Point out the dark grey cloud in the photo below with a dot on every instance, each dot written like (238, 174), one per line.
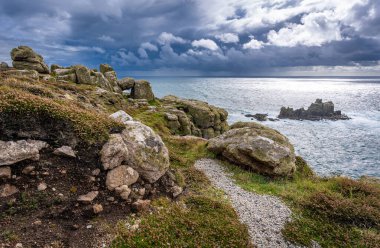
(211, 37)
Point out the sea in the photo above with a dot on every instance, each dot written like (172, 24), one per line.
(344, 147)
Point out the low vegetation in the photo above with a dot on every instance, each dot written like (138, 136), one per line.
(335, 212)
(202, 217)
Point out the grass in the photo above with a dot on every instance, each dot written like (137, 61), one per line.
(335, 212)
(90, 126)
(201, 218)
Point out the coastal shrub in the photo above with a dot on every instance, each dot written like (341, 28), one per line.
(89, 126)
(198, 221)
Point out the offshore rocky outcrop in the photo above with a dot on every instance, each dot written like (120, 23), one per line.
(193, 117)
(316, 111)
(259, 148)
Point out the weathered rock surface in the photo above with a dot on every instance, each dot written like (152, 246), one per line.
(65, 151)
(21, 73)
(148, 155)
(315, 112)
(5, 172)
(192, 117)
(260, 148)
(142, 90)
(105, 68)
(121, 116)
(8, 190)
(114, 152)
(3, 66)
(24, 58)
(89, 197)
(83, 74)
(12, 152)
(126, 83)
(122, 175)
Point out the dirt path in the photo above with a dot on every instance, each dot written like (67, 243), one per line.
(264, 215)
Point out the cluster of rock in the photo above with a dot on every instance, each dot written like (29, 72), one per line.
(28, 63)
(315, 112)
(193, 117)
(135, 163)
(259, 148)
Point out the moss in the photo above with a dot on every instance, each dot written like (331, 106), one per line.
(88, 125)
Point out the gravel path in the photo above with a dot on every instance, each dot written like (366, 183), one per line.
(264, 215)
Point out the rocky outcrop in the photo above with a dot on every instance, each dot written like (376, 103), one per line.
(142, 90)
(12, 152)
(257, 147)
(126, 83)
(193, 117)
(139, 147)
(3, 66)
(24, 58)
(32, 74)
(315, 112)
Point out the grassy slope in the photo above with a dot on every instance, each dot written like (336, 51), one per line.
(335, 212)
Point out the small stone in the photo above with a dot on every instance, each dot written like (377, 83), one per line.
(53, 189)
(95, 172)
(141, 205)
(176, 190)
(37, 223)
(19, 245)
(92, 179)
(121, 175)
(63, 171)
(65, 151)
(89, 197)
(60, 195)
(89, 226)
(111, 199)
(5, 172)
(75, 227)
(8, 190)
(124, 195)
(142, 191)
(42, 186)
(97, 208)
(28, 169)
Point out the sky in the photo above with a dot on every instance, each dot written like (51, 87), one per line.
(200, 37)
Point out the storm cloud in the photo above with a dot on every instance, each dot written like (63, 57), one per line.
(195, 37)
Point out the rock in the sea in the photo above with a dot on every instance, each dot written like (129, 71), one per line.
(114, 152)
(194, 117)
(65, 151)
(24, 58)
(260, 148)
(12, 152)
(121, 175)
(259, 117)
(5, 172)
(142, 90)
(89, 197)
(315, 112)
(121, 116)
(148, 155)
(8, 190)
(126, 83)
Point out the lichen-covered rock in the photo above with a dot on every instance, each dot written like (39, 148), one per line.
(83, 74)
(114, 152)
(112, 79)
(194, 117)
(65, 151)
(3, 66)
(12, 152)
(122, 175)
(100, 80)
(126, 83)
(5, 172)
(121, 116)
(260, 148)
(32, 74)
(103, 68)
(24, 58)
(148, 155)
(142, 90)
